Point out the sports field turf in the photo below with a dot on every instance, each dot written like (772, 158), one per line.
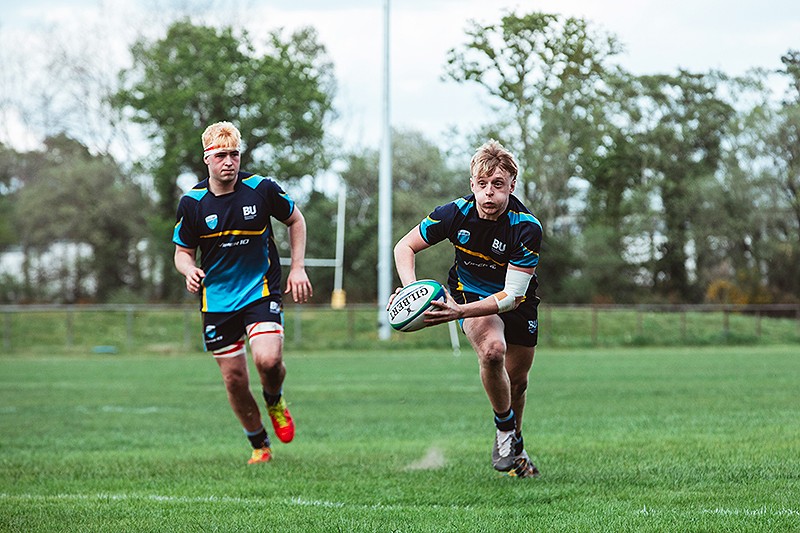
(647, 439)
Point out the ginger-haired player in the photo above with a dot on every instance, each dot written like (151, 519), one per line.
(228, 218)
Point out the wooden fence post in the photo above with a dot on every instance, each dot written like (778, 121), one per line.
(70, 331)
(129, 328)
(7, 331)
(758, 323)
(726, 322)
(187, 325)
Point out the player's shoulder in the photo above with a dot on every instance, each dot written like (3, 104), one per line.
(197, 192)
(459, 206)
(256, 181)
(518, 213)
(465, 203)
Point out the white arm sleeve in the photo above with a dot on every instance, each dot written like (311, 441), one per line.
(516, 285)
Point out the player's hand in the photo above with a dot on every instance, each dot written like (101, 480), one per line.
(298, 284)
(444, 311)
(393, 296)
(194, 277)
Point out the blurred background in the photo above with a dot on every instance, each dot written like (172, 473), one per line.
(660, 147)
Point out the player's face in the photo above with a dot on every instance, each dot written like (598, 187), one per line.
(492, 192)
(223, 166)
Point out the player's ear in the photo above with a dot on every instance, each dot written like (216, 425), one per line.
(513, 183)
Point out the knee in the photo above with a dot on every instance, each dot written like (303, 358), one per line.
(492, 353)
(267, 361)
(236, 380)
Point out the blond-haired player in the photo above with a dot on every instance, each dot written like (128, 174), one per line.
(492, 289)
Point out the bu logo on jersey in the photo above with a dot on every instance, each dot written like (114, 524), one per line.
(211, 221)
(498, 247)
(249, 212)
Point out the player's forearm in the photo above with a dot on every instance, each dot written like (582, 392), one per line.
(184, 261)
(405, 263)
(405, 252)
(485, 307)
(297, 240)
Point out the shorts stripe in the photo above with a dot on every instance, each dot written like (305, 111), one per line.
(264, 328)
(234, 350)
(266, 333)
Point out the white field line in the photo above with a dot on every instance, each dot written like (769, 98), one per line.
(761, 511)
(120, 409)
(295, 500)
(126, 497)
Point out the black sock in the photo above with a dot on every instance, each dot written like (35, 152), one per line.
(258, 439)
(272, 399)
(505, 421)
(519, 445)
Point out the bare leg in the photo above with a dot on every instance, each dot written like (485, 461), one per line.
(268, 358)
(486, 336)
(519, 360)
(237, 384)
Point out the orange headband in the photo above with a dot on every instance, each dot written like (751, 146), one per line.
(214, 148)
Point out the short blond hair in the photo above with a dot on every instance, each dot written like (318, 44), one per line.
(489, 157)
(221, 136)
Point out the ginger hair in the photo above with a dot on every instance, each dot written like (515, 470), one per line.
(221, 135)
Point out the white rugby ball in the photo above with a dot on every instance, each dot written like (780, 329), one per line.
(407, 310)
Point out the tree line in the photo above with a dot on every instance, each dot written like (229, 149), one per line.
(678, 187)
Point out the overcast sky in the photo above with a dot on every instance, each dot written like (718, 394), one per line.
(699, 35)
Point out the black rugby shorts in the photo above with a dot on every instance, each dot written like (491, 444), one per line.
(521, 324)
(223, 329)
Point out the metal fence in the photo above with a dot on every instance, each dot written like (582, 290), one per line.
(176, 328)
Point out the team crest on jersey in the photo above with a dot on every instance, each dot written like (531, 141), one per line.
(211, 330)
(463, 236)
(212, 221)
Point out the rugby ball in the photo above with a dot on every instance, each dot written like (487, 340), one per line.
(407, 310)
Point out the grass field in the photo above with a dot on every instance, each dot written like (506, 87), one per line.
(627, 439)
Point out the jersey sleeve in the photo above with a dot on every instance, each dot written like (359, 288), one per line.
(436, 226)
(526, 253)
(185, 233)
(280, 205)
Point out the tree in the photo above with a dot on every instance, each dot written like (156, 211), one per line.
(422, 180)
(280, 100)
(683, 124)
(782, 148)
(613, 200)
(81, 200)
(549, 75)
(320, 211)
(10, 170)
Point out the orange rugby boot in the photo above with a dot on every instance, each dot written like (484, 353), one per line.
(260, 455)
(281, 420)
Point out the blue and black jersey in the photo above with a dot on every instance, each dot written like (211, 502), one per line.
(234, 235)
(485, 248)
